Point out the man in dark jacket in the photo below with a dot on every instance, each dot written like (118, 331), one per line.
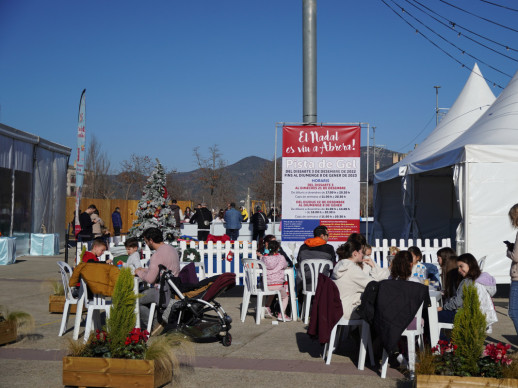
(258, 221)
(86, 222)
(117, 222)
(203, 217)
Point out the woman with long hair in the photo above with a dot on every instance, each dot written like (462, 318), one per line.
(450, 278)
(470, 272)
(351, 279)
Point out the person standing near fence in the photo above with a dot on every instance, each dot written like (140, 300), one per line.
(259, 222)
(203, 217)
(233, 222)
(117, 222)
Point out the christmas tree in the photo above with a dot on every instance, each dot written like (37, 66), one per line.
(153, 209)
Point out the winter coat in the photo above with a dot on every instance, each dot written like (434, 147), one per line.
(396, 306)
(99, 277)
(116, 220)
(200, 217)
(326, 310)
(259, 220)
(485, 279)
(232, 219)
(367, 307)
(275, 266)
(351, 281)
(177, 214)
(97, 228)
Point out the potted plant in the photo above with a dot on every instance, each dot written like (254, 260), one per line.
(13, 323)
(466, 360)
(121, 355)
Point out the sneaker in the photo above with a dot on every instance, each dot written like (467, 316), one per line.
(403, 363)
(268, 312)
(286, 318)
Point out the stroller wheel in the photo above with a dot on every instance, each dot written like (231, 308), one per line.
(227, 340)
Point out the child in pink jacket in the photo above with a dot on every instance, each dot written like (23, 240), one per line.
(275, 266)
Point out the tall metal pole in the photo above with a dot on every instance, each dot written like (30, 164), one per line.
(309, 66)
(437, 105)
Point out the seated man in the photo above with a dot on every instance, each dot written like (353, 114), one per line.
(315, 248)
(98, 248)
(165, 255)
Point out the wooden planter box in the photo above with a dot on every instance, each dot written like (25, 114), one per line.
(57, 304)
(111, 372)
(7, 332)
(435, 381)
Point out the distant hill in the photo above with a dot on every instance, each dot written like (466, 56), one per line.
(245, 170)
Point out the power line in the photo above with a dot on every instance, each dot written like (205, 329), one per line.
(436, 45)
(419, 134)
(499, 5)
(478, 16)
(447, 41)
(452, 25)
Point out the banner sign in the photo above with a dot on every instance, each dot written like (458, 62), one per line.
(79, 162)
(321, 181)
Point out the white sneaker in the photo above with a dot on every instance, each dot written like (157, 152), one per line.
(286, 318)
(402, 361)
(268, 312)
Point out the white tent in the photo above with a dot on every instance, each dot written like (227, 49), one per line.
(33, 192)
(399, 195)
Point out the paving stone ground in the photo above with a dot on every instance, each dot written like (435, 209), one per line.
(264, 355)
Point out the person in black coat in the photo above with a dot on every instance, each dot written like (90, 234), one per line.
(259, 222)
(203, 217)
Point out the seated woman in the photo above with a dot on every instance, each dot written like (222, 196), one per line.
(351, 279)
(401, 269)
(470, 272)
(450, 278)
(431, 270)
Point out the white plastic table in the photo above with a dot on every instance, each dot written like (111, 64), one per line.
(7, 250)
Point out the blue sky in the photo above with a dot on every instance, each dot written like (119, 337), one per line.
(163, 77)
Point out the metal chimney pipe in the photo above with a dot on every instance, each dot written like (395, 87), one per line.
(309, 66)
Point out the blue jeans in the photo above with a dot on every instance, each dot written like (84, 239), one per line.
(513, 304)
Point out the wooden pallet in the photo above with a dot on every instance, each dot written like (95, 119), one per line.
(111, 372)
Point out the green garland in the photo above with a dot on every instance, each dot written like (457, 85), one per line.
(188, 251)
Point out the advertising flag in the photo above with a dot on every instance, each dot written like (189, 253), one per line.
(79, 162)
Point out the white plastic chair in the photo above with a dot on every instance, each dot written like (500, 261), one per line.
(365, 344)
(254, 269)
(66, 273)
(411, 337)
(97, 304)
(314, 267)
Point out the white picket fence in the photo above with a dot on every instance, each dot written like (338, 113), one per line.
(213, 255)
(429, 248)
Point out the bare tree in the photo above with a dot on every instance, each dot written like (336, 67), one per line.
(213, 176)
(97, 183)
(133, 175)
(262, 186)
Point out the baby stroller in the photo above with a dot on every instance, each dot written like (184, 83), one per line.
(194, 311)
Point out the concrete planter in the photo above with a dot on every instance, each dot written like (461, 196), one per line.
(436, 381)
(111, 372)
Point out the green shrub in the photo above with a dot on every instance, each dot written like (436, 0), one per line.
(122, 317)
(469, 331)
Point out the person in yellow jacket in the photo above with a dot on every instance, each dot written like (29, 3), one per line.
(244, 214)
(99, 277)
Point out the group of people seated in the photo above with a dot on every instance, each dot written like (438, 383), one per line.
(354, 269)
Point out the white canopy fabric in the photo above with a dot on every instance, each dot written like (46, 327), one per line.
(464, 189)
(474, 99)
